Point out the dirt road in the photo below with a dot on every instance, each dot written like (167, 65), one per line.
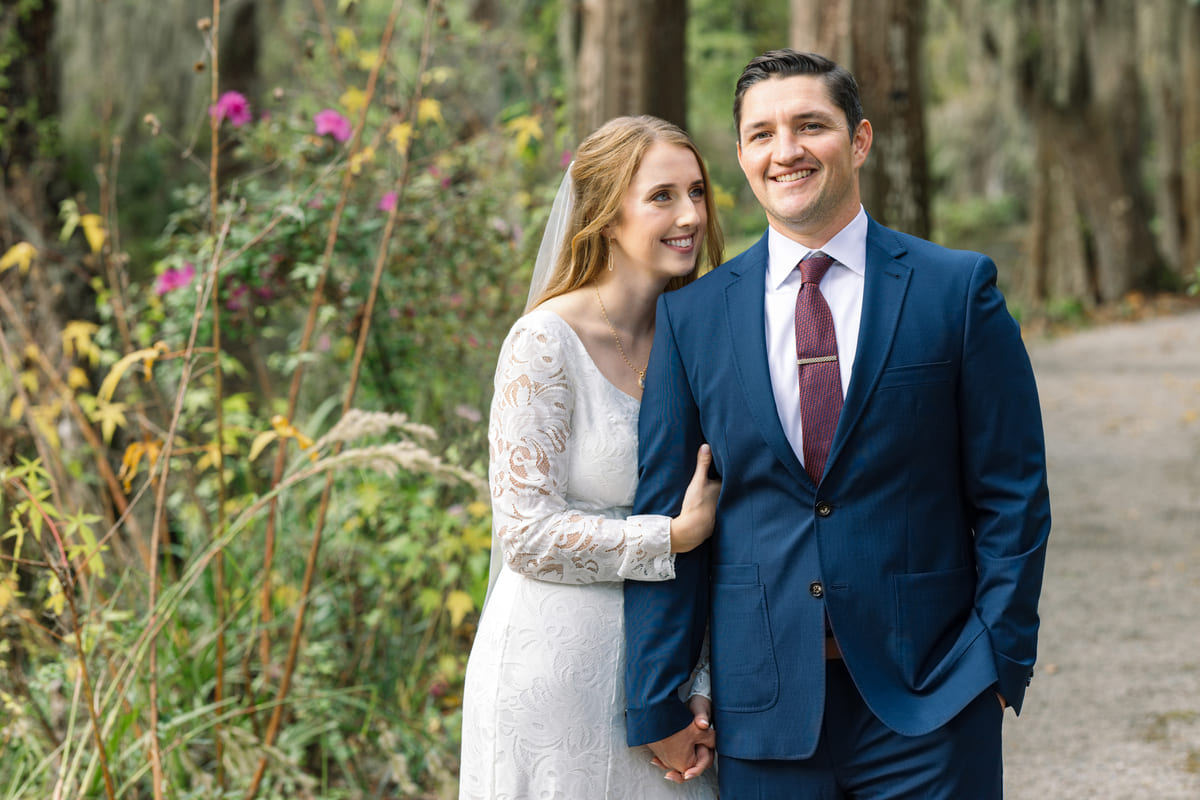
(1114, 710)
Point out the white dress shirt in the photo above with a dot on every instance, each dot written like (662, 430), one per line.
(842, 288)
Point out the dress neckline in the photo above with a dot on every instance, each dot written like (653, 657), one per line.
(591, 361)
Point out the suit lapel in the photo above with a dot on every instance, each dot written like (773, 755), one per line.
(744, 315)
(885, 285)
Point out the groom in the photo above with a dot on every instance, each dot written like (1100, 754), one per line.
(871, 591)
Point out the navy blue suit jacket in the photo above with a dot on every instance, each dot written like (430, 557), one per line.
(924, 542)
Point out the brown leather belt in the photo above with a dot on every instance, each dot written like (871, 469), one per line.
(831, 648)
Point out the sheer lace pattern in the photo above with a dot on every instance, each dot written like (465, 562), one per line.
(544, 701)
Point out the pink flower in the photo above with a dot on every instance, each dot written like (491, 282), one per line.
(234, 303)
(387, 202)
(172, 279)
(332, 123)
(232, 106)
(566, 159)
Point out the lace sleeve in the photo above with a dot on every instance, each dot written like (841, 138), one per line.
(701, 682)
(528, 434)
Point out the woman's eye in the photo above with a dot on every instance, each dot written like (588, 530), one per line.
(661, 197)
(697, 191)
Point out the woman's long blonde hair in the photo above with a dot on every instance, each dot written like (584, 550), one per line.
(604, 168)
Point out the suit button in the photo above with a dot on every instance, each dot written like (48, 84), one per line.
(816, 589)
(824, 509)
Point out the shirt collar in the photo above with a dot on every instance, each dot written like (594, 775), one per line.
(848, 247)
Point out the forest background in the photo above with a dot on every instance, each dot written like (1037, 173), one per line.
(256, 262)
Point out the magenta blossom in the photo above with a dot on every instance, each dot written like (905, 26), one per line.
(566, 159)
(332, 123)
(236, 295)
(232, 106)
(172, 279)
(387, 202)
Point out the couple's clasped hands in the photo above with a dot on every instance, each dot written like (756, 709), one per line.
(686, 754)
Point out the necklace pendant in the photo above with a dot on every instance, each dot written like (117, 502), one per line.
(641, 381)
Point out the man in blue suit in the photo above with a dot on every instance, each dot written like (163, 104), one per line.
(872, 616)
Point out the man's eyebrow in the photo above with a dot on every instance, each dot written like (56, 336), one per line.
(819, 116)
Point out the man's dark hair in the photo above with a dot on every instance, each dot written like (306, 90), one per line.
(842, 87)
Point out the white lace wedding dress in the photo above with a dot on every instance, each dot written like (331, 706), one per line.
(544, 703)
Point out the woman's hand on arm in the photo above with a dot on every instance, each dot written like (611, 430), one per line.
(699, 511)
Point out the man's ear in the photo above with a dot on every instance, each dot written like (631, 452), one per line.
(861, 143)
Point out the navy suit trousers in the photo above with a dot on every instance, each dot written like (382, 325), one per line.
(859, 757)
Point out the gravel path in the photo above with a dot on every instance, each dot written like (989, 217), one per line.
(1114, 709)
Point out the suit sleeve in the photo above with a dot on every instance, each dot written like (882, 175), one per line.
(665, 622)
(1004, 465)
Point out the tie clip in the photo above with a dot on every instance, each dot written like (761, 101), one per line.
(800, 362)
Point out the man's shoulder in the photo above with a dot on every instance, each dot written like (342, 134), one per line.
(899, 244)
(715, 280)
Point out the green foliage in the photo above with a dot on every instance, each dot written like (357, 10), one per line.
(391, 515)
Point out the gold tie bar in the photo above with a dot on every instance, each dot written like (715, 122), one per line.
(800, 362)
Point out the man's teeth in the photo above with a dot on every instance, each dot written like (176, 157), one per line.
(794, 176)
(685, 242)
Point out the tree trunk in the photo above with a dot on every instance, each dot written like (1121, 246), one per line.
(1078, 79)
(1189, 83)
(880, 42)
(632, 60)
(1159, 25)
(29, 95)
(666, 61)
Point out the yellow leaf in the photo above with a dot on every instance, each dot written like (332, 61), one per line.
(17, 409)
(57, 600)
(353, 100)
(478, 509)
(346, 40)
(78, 379)
(459, 603)
(286, 595)
(109, 385)
(367, 59)
(29, 380)
(429, 110)
(46, 420)
(211, 457)
(362, 157)
(20, 255)
(438, 74)
(77, 339)
(110, 416)
(399, 135)
(129, 464)
(525, 128)
(93, 231)
(260, 443)
(8, 591)
(68, 212)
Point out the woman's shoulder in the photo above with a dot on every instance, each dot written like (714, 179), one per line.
(541, 334)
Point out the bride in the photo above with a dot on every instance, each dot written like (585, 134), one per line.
(544, 701)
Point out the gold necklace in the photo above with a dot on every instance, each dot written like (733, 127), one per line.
(641, 373)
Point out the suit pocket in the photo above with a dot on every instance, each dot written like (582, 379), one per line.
(915, 375)
(745, 675)
(933, 610)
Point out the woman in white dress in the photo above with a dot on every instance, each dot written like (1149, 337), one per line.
(544, 702)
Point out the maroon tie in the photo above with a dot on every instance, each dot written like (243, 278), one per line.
(817, 361)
